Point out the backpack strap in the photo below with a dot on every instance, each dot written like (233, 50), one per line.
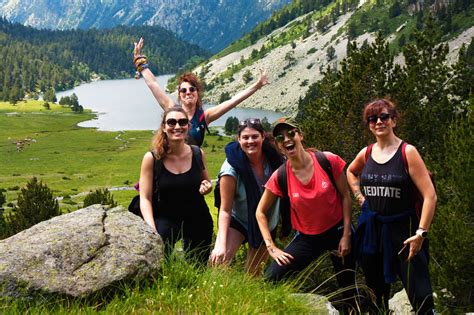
(157, 167)
(282, 179)
(201, 119)
(404, 156)
(368, 150)
(285, 206)
(324, 162)
(197, 155)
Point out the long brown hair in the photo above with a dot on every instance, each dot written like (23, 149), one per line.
(192, 79)
(160, 145)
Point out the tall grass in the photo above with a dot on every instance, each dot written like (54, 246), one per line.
(181, 287)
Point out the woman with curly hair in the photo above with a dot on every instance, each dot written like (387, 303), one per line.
(189, 96)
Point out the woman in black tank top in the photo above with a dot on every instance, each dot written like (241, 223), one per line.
(181, 211)
(391, 239)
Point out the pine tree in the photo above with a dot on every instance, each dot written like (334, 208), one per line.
(100, 196)
(35, 204)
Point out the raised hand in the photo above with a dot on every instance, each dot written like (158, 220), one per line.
(137, 48)
(263, 77)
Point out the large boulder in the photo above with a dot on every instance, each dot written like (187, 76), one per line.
(79, 253)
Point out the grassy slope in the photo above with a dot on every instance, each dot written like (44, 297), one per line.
(91, 159)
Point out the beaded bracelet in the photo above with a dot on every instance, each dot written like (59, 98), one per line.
(141, 64)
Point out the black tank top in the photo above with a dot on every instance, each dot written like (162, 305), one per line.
(387, 186)
(179, 194)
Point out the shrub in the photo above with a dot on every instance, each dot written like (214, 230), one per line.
(224, 97)
(3, 199)
(100, 196)
(36, 203)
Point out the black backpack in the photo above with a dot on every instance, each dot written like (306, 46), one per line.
(134, 206)
(283, 184)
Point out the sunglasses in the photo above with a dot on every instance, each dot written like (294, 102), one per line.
(250, 122)
(181, 122)
(281, 136)
(185, 90)
(372, 119)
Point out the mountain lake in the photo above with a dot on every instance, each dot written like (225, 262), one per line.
(128, 104)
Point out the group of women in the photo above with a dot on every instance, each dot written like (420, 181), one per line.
(390, 239)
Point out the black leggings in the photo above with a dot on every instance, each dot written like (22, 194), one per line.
(414, 275)
(195, 232)
(307, 248)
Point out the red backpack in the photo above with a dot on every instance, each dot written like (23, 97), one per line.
(418, 196)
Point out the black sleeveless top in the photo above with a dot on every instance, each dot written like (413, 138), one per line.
(387, 187)
(179, 194)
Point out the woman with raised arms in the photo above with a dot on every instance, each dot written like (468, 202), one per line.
(189, 96)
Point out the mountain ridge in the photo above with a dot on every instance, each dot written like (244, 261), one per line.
(210, 24)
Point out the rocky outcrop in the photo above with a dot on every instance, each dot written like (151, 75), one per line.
(399, 304)
(79, 253)
(318, 304)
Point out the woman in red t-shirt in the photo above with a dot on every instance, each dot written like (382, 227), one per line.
(320, 212)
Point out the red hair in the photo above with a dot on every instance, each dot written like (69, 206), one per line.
(377, 106)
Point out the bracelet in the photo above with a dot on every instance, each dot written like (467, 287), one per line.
(138, 57)
(140, 62)
(140, 68)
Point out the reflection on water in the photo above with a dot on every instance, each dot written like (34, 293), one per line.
(129, 105)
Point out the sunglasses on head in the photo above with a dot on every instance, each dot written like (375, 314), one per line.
(250, 122)
(181, 122)
(281, 136)
(372, 119)
(185, 90)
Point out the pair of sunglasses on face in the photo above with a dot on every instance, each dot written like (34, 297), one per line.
(281, 136)
(384, 117)
(185, 90)
(182, 122)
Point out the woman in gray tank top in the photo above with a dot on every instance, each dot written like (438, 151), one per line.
(391, 239)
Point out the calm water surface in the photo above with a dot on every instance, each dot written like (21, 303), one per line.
(129, 105)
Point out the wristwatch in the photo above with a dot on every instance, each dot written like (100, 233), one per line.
(422, 233)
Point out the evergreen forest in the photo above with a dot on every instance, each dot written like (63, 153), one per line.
(34, 61)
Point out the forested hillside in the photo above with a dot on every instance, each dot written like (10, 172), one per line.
(302, 39)
(34, 60)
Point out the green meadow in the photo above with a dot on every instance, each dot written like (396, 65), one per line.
(72, 160)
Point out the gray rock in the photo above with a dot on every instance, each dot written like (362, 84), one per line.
(79, 253)
(319, 304)
(399, 304)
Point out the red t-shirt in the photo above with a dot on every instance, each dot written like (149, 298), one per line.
(315, 207)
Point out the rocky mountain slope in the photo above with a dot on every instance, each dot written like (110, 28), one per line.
(293, 66)
(212, 24)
